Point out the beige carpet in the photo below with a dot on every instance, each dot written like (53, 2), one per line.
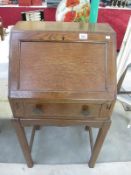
(116, 168)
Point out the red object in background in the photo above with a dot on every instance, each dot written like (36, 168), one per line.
(24, 2)
(72, 3)
(11, 15)
(118, 19)
(1, 22)
(36, 2)
(70, 16)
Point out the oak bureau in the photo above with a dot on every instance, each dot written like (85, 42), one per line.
(62, 74)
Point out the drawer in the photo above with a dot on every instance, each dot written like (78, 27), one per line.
(59, 110)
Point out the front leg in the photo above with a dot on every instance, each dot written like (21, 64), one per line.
(99, 142)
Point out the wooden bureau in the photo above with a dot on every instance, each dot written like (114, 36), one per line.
(62, 74)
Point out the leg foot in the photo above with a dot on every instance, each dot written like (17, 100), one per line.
(98, 144)
(23, 142)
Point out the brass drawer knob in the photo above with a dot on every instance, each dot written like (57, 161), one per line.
(38, 109)
(85, 110)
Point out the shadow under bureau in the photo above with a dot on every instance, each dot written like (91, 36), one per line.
(62, 74)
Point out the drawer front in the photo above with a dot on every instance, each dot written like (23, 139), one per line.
(60, 110)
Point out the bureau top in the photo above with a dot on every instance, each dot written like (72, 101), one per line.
(62, 61)
(62, 26)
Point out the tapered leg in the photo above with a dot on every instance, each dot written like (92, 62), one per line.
(89, 129)
(36, 127)
(91, 138)
(98, 144)
(23, 142)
